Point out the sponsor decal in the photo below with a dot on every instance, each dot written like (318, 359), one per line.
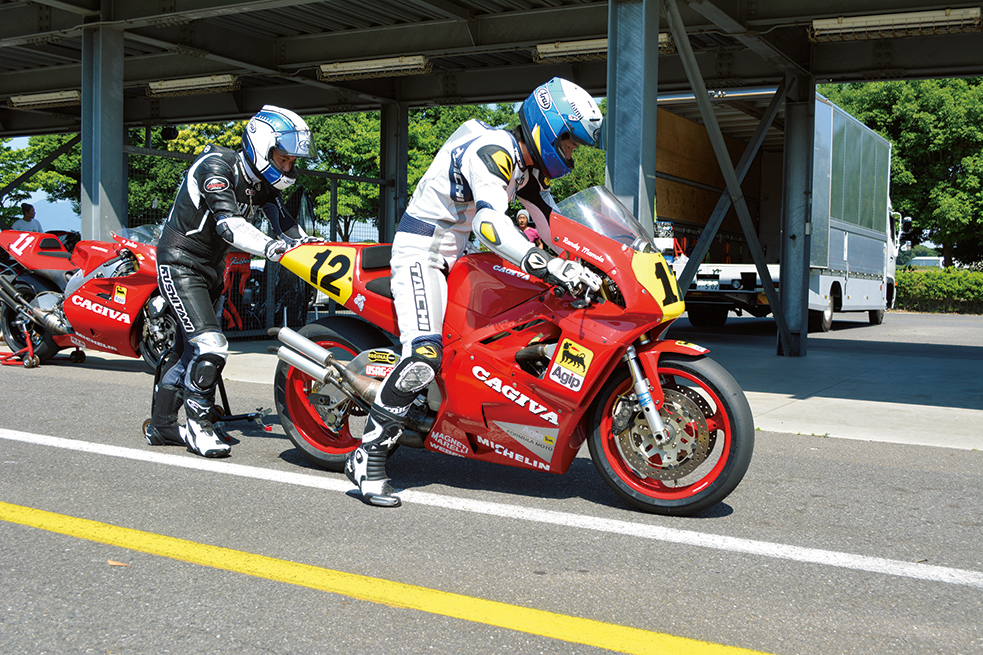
(570, 365)
(544, 99)
(510, 271)
(687, 344)
(427, 352)
(510, 454)
(420, 298)
(575, 113)
(119, 295)
(448, 445)
(215, 184)
(584, 251)
(382, 357)
(85, 342)
(539, 440)
(378, 370)
(513, 394)
(360, 302)
(102, 310)
(167, 286)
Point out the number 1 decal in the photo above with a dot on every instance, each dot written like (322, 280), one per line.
(662, 272)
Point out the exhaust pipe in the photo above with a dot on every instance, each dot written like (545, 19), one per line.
(299, 352)
(47, 320)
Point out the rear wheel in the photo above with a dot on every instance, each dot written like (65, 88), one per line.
(822, 321)
(324, 427)
(709, 444)
(12, 324)
(876, 316)
(707, 316)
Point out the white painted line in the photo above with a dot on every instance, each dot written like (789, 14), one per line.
(656, 533)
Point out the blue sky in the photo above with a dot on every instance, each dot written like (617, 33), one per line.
(52, 215)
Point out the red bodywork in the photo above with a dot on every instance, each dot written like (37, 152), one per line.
(493, 409)
(105, 311)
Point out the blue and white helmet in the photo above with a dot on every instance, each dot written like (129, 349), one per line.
(553, 110)
(279, 129)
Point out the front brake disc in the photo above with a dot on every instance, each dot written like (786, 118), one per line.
(678, 455)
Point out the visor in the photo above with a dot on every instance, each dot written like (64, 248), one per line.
(295, 144)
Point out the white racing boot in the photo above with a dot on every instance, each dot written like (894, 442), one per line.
(366, 466)
(199, 433)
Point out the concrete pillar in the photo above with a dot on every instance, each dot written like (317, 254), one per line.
(800, 109)
(104, 191)
(393, 164)
(632, 92)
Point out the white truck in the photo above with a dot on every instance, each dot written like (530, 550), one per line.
(855, 235)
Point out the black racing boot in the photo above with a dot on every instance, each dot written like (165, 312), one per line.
(366, 466)
(199, 433)
(163, 429)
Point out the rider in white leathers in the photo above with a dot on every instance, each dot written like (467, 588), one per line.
(467, 189)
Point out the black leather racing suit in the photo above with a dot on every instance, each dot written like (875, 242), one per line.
(215, 207)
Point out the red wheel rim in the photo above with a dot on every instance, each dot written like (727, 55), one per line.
(717, 423)
(304, 416)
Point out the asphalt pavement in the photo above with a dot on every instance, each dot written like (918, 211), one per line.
(829, 546)
(915, 379)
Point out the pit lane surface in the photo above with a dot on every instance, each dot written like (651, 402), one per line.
(874, 516)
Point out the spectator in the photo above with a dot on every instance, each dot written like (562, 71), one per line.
(531, 233)
(28, 223)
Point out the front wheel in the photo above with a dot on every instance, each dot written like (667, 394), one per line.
(323, 425)
(157, 337)
(705, 454)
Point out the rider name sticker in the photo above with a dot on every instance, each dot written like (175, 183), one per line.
(570, 365)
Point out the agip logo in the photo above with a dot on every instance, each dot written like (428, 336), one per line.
(570, 365)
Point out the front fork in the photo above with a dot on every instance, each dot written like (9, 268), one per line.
(649, 410)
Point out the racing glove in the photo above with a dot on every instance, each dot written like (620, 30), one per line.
(559, 272)
(275, 249)
(572, 275)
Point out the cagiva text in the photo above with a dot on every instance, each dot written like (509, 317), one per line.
(96, 308)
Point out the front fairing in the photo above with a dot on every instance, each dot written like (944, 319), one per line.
(594, 227)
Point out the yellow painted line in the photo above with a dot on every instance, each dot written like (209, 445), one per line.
(375, 590)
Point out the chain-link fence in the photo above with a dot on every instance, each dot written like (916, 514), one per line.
(258, 294)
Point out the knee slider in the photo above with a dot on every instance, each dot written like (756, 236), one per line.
(413, 374)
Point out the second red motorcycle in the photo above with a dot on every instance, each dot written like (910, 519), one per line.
(94, 295)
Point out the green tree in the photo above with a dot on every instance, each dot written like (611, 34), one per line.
(936, 128)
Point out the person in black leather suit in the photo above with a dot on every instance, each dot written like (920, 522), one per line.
(222, 194)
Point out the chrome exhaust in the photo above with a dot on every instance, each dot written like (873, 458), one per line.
(305, 355)
(46, 320)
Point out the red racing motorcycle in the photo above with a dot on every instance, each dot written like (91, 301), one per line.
(529, 373)
(96, 294)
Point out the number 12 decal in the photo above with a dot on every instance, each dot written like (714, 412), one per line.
(342, 265)
(327, 268)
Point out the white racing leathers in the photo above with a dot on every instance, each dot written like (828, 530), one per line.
(467, 188)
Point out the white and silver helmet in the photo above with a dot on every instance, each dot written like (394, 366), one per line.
(277, 129)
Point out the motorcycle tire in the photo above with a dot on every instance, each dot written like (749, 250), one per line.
(711, 430)
(345, 337)
(43, 341)
(151, 349)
